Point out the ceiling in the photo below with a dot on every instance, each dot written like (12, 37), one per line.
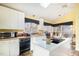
(53, 11)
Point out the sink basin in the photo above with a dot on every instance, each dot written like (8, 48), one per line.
(56, 41)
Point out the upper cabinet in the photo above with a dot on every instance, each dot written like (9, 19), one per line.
(11, 19)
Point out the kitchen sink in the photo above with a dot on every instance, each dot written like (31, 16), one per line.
(57, 41)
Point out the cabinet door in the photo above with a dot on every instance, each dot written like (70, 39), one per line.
(14, 47)
(4, 48)
(39, 51)
(11, 19)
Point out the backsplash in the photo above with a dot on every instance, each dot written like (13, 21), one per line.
(7, 34)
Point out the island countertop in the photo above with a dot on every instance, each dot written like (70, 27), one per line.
(51, 46)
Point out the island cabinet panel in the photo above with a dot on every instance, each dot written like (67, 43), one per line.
(63, 50)
(39, 51)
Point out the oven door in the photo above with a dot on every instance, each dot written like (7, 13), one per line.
(24, 45)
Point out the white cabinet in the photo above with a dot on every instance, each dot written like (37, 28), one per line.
(4, 48)
(14, 47)
(11, 19)
(39, 51)
(9, 47)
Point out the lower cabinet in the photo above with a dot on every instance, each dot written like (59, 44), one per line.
(4, 48)
(39, 51)
(9, 47)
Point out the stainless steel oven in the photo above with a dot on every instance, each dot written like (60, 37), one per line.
(24, 45)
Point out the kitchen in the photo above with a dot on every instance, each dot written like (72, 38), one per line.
(34, 35)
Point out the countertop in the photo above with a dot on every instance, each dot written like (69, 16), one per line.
(8, 39)
(51, 46)
(24, 37)
(13, 38)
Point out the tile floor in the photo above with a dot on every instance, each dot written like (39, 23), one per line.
(67, 53)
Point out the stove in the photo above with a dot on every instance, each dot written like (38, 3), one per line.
(24, 45)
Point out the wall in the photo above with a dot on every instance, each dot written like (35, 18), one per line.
(76, 26)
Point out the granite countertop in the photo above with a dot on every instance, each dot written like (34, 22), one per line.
(24, 37)
(7, 39)
(51, 46)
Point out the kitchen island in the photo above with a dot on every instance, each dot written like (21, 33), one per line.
(40, 48)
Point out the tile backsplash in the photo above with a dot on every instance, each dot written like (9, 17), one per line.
(7, 34)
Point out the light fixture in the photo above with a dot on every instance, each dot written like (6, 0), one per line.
(59, 15)
(64, 6)
(45, 5)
